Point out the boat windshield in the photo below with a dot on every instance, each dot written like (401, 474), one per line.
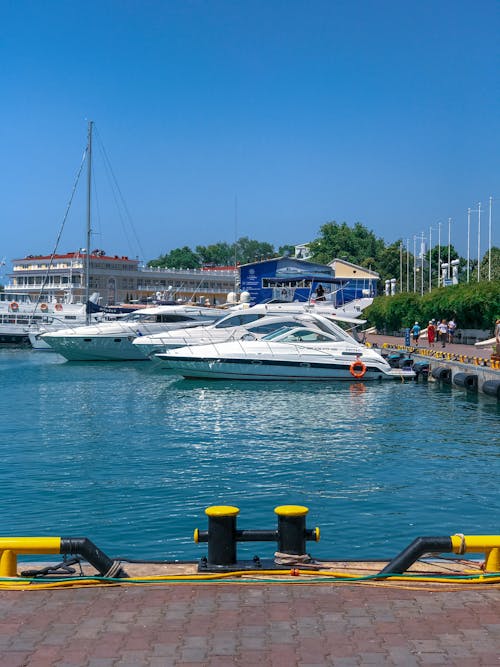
(309, 336)
(278, 332)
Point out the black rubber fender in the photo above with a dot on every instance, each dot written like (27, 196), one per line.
(467, 380)
(492, 388)
(442, 373)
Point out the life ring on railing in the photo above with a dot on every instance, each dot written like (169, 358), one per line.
(14, 306)
(44, 308)
(58, 306)
(357, 369)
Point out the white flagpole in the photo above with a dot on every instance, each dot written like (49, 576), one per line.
(430, 259)
(468, 244)
(478, 241)
(489, 239)
(439, 254)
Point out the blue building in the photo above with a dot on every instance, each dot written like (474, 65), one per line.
(290, 279)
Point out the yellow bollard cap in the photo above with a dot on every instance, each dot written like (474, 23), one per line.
(222, 510)
(291, 510)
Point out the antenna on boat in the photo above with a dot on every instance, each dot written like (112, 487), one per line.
(89, 215)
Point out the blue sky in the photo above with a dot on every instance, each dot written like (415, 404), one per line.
(263, 118)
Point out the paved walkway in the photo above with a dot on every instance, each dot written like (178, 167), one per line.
(453, 348)
(268, 625)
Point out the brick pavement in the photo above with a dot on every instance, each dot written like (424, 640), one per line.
(195, 625)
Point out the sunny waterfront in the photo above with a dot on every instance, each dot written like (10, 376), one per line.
(130, 456)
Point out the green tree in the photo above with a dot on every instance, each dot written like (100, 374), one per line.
(248, 250)
(484, 269)
(357, 244)
(284, 249)
(179, 258)
(218, 254)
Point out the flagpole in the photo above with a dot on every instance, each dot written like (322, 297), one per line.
(468, 244)
(478, 241)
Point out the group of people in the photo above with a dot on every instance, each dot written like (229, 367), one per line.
(440, 332)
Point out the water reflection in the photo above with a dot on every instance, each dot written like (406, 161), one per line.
(131, 457)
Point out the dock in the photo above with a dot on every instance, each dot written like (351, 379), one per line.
(269, 624)
(460, 360)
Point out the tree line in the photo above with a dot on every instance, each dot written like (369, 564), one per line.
(356, 244)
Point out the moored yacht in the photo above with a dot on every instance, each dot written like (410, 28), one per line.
(20, 314)
(112, 341)
(318, 351)
(256, 321)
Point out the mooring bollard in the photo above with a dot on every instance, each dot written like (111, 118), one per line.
(292, 532)
(222, 535)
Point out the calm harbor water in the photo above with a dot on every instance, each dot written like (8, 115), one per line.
(130, 456)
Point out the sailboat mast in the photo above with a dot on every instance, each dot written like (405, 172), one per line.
(89, 214)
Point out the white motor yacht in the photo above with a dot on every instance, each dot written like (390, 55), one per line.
(21, 315)
(318, 351)
(112, 341)
(256, 321)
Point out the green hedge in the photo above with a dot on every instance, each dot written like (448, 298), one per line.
(474, 306)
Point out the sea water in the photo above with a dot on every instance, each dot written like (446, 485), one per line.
(130, 456)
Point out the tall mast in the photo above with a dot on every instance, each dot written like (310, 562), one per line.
(89, 213)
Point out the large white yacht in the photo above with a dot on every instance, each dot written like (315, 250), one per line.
(112, 341)
(256, 321)
(318, 351)
(21, 314)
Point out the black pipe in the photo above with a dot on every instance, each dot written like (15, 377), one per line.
(257, 535)
(414, 551)
(97, 558)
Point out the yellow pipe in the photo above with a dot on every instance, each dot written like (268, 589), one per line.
(474, 543)
(8, 563)
(31, 545)
(487, 544)
(11, 547)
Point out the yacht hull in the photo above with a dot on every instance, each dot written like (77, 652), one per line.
(269, 370)
(99, 348)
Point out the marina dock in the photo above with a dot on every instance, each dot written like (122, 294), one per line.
(455, 357)
(266, 624)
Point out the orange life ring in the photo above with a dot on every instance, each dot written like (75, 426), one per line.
(357, 368)
(44, 308)
(58, 306)
(14, 306)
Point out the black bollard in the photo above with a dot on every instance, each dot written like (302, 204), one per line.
(292, 533)
(222, 534)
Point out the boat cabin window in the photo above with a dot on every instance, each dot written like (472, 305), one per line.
(306, 335)
(238, 320)
(157, 317)
(271, 326)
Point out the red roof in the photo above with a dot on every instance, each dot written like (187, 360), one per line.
(73, 255)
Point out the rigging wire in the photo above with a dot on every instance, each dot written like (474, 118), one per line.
(56, 246)
(121, 204)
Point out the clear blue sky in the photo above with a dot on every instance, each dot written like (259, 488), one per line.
(302, 111)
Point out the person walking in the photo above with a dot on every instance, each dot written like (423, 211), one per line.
(431, 333)
(497, 336)
(442, 328)
(451, 330)
(415, 332)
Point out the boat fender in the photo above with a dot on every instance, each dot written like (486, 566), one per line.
(442, 373)
(492, 388)
(58, 306)
(467, 380)
(44, 308)
(14, 306)
(357, 368)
